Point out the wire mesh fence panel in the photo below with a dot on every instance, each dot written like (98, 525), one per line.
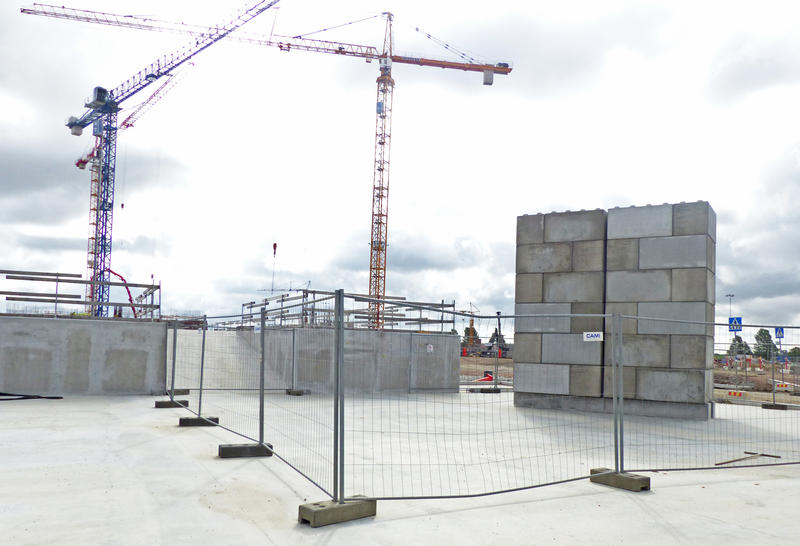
(188, 350)
(414, 429)
(232, 376)
(299, 401)
(700, 396)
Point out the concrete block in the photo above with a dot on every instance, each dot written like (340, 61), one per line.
(570, 349)
(693, 352)
(711, 254)
(648, 408)
(435, 362)
(622, 254)
(694, 219)
(671, 385)
(575, 226)
(674, 252)
(679, 311)
(541, 378)
(236, 451)
(648, 351)
(529, 288)
(527, 348)
(587, 255)
(587, 324)
(584, 380)
(632, 222)
(629, 326)
(628, 381)
(179, 392)
(161, 404)
(198, 421)
(317, 514)
(544, 258)
(695, 284)
(530, 229)
(542, 324)
(620, 480)
(636, 286)
(573, 287)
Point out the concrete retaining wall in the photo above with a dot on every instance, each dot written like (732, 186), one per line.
(303, 359)
(80, 356)
(653, 261)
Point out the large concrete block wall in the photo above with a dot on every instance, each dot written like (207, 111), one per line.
(80, 356)
(652, 261)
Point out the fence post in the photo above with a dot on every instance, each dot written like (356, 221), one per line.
(202, 367)
(174, 354)
(261, 380)
(338, 390)
(619, 393)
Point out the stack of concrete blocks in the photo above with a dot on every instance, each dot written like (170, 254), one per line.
(653, 261)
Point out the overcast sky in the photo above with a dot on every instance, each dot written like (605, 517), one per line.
(610, 103)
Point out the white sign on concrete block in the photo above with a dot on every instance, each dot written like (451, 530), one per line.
(593, 336)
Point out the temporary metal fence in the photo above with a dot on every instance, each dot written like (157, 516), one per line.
(399, 415)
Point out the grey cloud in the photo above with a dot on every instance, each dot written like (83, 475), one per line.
(51, 243)
(746, 65)
(550, 58)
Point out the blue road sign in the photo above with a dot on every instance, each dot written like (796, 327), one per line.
(735, 324)
(778, 333)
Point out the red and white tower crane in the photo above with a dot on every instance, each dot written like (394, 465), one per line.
(383, 122)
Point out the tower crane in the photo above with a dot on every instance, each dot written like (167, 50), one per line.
(103, 107)
(383, 121)
(92, 158)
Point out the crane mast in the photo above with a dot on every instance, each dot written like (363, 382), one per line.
(380, 181)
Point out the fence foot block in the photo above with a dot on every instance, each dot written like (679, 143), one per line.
(180, 392)
(317, 514)
(485, 390)
(198, 421)
(172, 403)
(621, 480)
(230, 451)
(294, 392)
(769, 405)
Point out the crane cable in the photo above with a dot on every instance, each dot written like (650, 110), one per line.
(337, 26)
(463, 55)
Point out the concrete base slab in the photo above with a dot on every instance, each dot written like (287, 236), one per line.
(769, 405)
(230, 451)
(198, 421)
(172, 403)
(620, 480)
(180, 392)
(647, 408)
(294, 392)
(317, 514)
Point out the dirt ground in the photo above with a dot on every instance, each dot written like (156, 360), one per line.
(474, 367)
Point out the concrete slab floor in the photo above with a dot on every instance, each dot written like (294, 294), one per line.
(113, 470)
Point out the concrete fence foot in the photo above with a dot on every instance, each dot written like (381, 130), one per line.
(620, 480)
(230, 451)
(172, 403)
(294, 392)
(198, 421)
(484, 390)
(180, 392)
(317, 514)
(769, 405)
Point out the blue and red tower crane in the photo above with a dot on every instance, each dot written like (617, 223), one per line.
(103, 108)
